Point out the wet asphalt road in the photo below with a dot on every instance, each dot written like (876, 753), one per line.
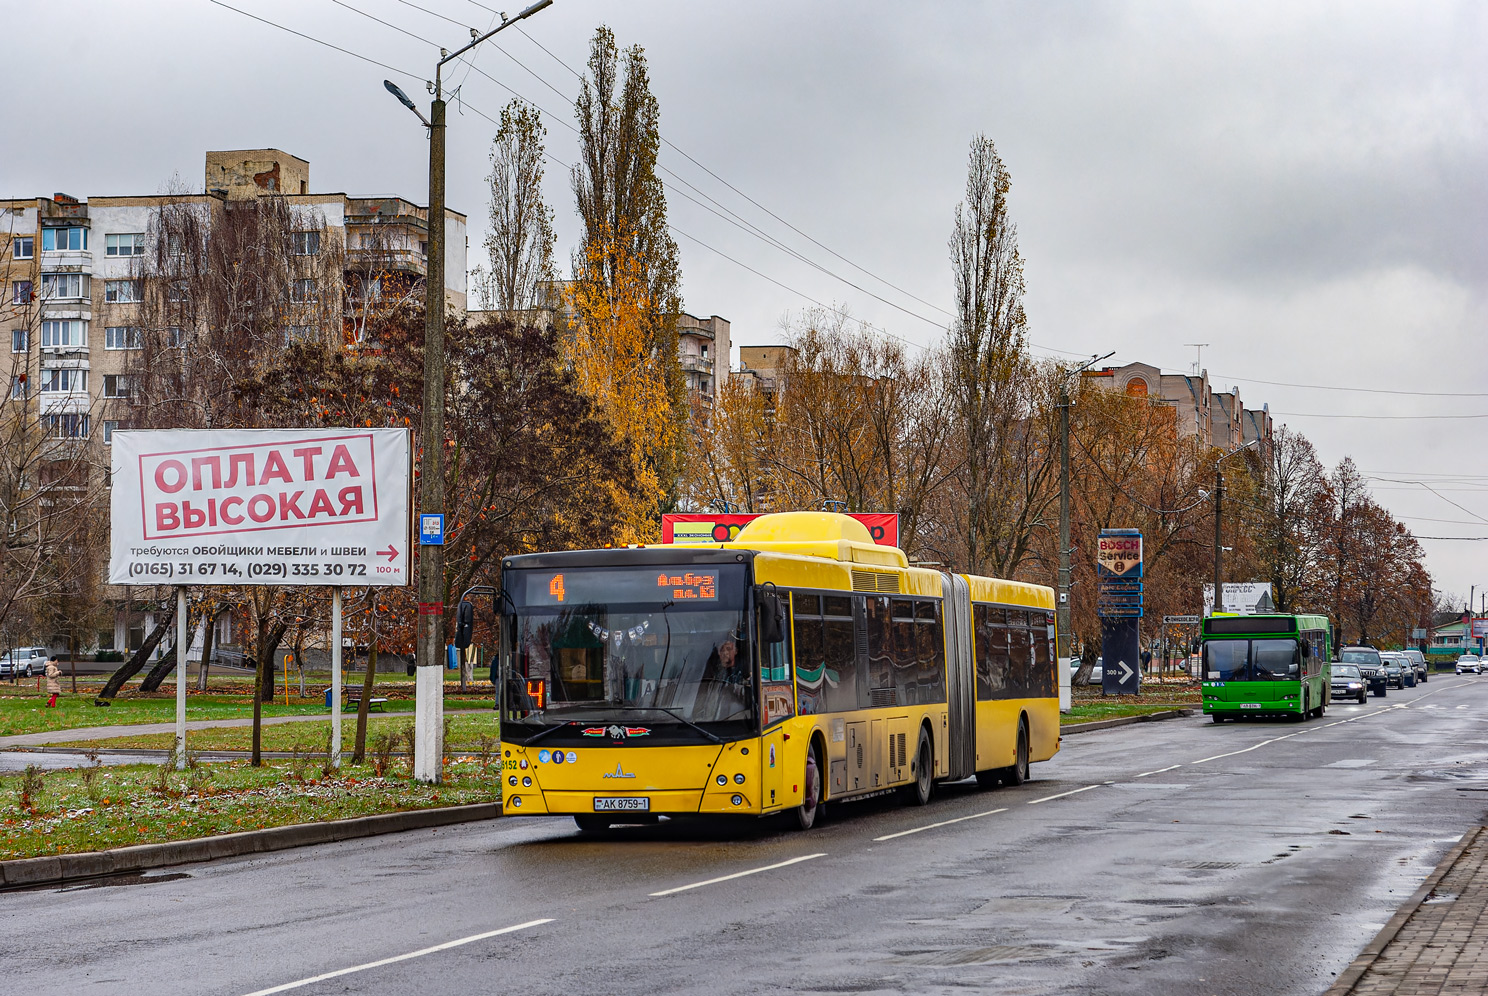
(1162, 858)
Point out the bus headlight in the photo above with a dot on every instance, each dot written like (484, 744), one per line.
(723, 779)
(526, 781)
(739, 778)
(512, 780)
(737, 800)
(517, 801)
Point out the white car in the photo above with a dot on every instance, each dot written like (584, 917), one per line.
(1469, 664)
(24, 662)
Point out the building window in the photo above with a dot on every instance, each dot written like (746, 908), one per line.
(68, 333)
(178, 292)
(129, 244)
(18, 388)
(299, 333)
(121, 291)
(20, 292)
(116, 385)
(67, 426)
(23, 246)
(306, 243)
(55, 381)
(304, 291)
(109, 425)
(423, 248)
(54, 239)
(1136, 387)
(20, 340)
(64, 285)
(121, 337)
(175, 337)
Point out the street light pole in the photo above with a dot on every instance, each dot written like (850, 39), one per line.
(1219, 526)
(428, 751)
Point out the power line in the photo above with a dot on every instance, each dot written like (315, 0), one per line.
(1364, 390)
(1379, 417)
(301, 34)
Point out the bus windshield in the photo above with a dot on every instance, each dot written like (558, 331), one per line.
(659, 652)
(1252, 660)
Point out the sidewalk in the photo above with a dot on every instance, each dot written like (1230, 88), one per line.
(136, 729)
(1438, 941)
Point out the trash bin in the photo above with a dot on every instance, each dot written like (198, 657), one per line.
(328, 698)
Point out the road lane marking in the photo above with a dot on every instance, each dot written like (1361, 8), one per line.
(397, 958)
(1171, 767)
(1061, 795)
(1245, 750)
(942, 823)
(726, 878)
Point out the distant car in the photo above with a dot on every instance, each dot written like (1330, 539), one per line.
(24, 662)
(1348, 683)
(1395, 674)
(1407, 667)
(1371, 667)
(1423, 670)
(1097, 673)
(1469, 664)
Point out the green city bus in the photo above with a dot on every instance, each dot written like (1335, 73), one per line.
(1266, 665)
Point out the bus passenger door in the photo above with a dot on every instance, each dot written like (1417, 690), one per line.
(777, 705)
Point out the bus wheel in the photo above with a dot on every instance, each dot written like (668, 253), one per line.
(811, 793)
(1217, 717)
(918, 792)
(1018, 773)
(592, 822)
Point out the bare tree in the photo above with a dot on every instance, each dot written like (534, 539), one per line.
(987, 354)
(519, 244)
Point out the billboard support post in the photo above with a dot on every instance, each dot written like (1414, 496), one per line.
(336, 677)
(181, 648)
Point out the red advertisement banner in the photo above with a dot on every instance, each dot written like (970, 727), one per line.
(717, 527)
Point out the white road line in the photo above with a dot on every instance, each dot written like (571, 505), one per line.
(397, 958)
(726, 878)
(1050, 798)
(942, 823)
(1171, 767)
(1245, 750)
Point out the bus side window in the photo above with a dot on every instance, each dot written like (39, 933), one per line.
(992, 652)
(811, 653)
(931, 651)
(1020, 650)
(840, 687)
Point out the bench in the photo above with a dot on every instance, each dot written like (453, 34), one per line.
(354, 697)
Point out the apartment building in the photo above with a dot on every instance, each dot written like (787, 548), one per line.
(1216, 418)
(73, 292)
(703, 351)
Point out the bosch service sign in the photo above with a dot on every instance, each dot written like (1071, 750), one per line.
(1119, 554)
(260, 506)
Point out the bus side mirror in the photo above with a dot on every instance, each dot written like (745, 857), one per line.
(464, 624)
(771, 618)
(1306, 651)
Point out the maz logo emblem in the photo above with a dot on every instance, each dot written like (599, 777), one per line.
(619, 772)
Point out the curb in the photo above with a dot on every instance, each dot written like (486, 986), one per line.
(206, 755)
(1106, 724)
(64, 869)
(1350, 976)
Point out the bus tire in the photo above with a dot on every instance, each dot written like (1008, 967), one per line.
(1018, 773)
(919, 791)
(592, 822)
(810, 805)
(1217, 717)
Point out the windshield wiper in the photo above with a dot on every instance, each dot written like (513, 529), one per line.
(681, 719)
(552, 729)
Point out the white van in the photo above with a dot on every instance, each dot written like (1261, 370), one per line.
(24, 662)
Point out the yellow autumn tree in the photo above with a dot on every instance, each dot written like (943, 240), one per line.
(612, 348)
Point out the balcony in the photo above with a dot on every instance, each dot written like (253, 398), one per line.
(67, 260)
(696, 364)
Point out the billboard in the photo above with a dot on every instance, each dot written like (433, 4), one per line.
(1247, 599)
(260, 506)
(1480, 628)
(1119, 554)
(720, 527)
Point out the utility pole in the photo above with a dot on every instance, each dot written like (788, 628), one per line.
(1062, 608)
(1218, 541)
(428, 753)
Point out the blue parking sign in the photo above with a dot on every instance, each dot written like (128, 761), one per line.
(431, 529)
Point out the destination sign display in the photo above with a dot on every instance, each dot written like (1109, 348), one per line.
(589, 586)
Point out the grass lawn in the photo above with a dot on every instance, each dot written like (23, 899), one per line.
(464, 733)
(1089, 705)
(24, 710)
(90, 809)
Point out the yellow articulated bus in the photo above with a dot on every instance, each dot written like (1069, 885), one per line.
(798, 665)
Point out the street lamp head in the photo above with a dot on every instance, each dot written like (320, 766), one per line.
(403, 99)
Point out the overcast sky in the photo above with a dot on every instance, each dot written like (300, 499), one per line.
(1304, 187)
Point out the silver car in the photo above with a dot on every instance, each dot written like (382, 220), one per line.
(1469, 664)
(1348, 683)
(24, 662)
